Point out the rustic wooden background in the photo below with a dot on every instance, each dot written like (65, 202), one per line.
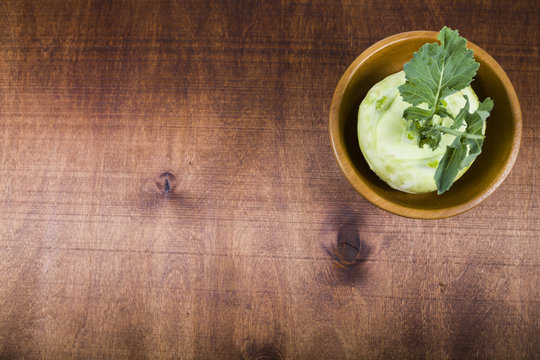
(167, 189)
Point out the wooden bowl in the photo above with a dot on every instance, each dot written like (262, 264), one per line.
(499, 152)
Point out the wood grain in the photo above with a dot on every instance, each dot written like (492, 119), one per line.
(167, 189)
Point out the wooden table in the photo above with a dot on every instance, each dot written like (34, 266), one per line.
(167, 189)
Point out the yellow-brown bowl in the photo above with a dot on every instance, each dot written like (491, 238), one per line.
(499, 152)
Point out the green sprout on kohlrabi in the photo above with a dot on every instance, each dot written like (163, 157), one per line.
(435, 72)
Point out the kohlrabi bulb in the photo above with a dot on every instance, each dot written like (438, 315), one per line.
(390, 149)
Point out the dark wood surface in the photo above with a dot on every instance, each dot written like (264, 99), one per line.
(167, 189)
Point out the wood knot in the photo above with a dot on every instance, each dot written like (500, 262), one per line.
(163, 186)
(348, 255)
(442, 287)
(340, 237)
(348, 245)
(263, 352)
(166, 183)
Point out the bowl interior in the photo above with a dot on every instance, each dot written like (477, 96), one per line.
(488, 170)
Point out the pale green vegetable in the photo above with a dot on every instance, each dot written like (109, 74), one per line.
(390, 149)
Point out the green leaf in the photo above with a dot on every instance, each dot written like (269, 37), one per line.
(436, 71)
(462, 152)
(460, 117)
(475, 125)
(430, 136)
(450, 165)
(442, 112)
(414, 112)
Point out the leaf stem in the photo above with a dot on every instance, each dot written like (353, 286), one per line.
(436, 101)
(446, 130)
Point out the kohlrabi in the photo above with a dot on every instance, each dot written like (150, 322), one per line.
(420, 129)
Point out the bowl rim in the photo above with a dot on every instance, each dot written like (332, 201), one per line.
(347, 168)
